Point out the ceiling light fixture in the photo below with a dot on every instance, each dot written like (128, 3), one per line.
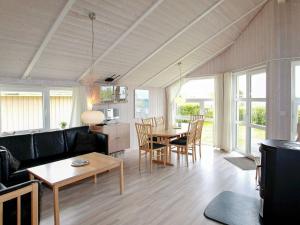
(92, 17)
(90, 79)
(179, 98)
(91, 117)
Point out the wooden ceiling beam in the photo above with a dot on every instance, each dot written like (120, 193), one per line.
(36, 82)
(122, 37)
(205, 42)
(188, 26)
(47, 38)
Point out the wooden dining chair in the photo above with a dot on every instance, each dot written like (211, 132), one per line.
(150, 121)
(159, 121)
(146, 144)
(198, 135)
(196, 117)
(183, 144)
(18, 214)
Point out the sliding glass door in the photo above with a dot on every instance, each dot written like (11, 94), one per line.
(249, 126)
(199, 99)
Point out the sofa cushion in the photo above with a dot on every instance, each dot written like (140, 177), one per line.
(85, 142)
(49, 144)
(179, 141)
(42, 161)
(13, 163)
(20, 146)
(70, 136)
(102, 143)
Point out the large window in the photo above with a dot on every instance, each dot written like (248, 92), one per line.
(23, 109)
(250, 111)
(60, 108)
(141, 103)
(295, 98)
(199, 99)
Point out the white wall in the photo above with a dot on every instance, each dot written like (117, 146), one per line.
(157, 108)
(254, 46)
(271, 39)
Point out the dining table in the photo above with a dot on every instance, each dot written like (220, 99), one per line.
(164, 136)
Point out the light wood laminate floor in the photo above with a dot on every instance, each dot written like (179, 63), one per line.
(174, 195)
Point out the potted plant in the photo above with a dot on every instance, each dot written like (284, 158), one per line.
(63, 125)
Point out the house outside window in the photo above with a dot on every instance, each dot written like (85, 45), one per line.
(25, 109)
(199, 100)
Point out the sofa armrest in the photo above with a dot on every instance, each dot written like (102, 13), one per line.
(2, 187)
(6, 190)
(30, 204)
(4, 168)
(102, 140)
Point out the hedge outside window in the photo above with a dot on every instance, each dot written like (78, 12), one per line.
(199, 96)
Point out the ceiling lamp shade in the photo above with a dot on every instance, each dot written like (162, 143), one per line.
(92, 117)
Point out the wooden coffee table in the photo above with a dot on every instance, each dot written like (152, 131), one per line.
(60, 173)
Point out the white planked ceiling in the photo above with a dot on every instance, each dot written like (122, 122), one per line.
(22, 29)
(141, 40)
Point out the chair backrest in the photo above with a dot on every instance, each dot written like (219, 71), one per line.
(144, 135)
(149, 121)
(16, 192)
(199, 130)
(192, 132)
(159, 121)
(196, 117)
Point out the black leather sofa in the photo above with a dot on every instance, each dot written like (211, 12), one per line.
(40, 148)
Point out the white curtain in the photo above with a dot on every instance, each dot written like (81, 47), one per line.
(223, 112)
(219, 114)
(79, 105)
(227, 115)
(172, 92)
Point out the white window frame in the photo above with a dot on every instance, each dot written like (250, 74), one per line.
(295, 102)
(248, 100)
(200, 101)
(46, 102)
(134, 103)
